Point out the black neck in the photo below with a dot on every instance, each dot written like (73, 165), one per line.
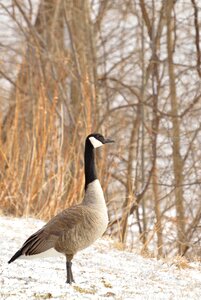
(89, 163)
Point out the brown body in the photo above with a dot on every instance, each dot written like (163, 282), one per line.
(73, 229)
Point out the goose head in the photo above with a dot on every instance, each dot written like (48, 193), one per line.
(98, 140)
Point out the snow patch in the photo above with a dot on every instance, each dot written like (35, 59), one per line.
(100, 272)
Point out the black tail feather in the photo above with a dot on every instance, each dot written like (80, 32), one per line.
(15, 256)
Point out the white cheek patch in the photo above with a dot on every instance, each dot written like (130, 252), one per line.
(96, 143)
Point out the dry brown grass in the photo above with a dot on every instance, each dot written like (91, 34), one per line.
(76, 79)
(42, 165)
(41, 168)
(178, 261)
(119, 246)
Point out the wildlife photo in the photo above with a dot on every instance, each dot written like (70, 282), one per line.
(100, 149)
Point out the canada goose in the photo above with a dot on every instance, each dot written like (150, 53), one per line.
(77, 227)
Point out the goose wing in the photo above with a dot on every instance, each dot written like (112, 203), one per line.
(47, 237)
(68, 219)
(37, 243)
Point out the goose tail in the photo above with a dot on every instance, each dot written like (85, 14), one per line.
(15, 256)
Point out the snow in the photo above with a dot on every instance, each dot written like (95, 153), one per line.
(100, 271)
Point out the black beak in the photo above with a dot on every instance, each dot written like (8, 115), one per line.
(107, 141)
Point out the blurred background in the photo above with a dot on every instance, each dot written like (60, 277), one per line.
(129, 69)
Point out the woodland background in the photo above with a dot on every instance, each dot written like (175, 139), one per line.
(130, 69)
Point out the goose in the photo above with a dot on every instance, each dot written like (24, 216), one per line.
(76, 227)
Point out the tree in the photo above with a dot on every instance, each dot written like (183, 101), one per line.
(128, 68)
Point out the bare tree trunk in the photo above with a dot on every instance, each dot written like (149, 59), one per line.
(158, 225)
(177, 159)
(129, 182)
(156, 35)
(197, 36)
(154, 31)
(84, 86)
(142, 128)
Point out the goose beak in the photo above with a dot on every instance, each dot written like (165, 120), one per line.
(107, 141)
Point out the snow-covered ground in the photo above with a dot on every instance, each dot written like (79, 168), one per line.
(100, 272)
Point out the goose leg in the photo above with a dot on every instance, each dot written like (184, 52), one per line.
(70, 278)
